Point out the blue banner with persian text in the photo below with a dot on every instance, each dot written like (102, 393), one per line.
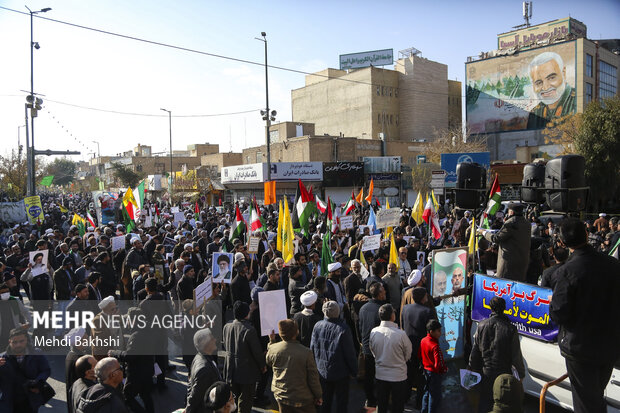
(527, 306)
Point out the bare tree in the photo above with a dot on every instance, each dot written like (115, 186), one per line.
(454, 140)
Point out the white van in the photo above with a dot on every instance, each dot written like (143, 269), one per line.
(544, 363)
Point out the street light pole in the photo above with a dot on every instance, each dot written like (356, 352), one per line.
(34, 102)
(267, 116)
(171, 172)
(98, 150)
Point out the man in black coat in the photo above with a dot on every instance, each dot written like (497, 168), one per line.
(154, 307)
(204, 371)
(104, 397)
(413, 320)
(585, 300)
(139, 366)
(494, 351)
(245, 360)
(108, 283)
(369, 319)
(187, 283)
(85, 373)
(63, 281)
(240, 285)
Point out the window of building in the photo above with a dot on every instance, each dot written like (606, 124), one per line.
(378, 90)
(391, 119)
(390, 92)
(608, 80)
(396, 92)
(588, 92)
(160, 168)
(259, 157)
(382, 90)
(138, 168)
(589, 60)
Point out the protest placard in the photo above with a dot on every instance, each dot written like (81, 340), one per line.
(221, 269)
(346, 222)
(388, 218)
(253, 243)
(38, 259)
(272, 307)
(118, 243)
(203, 292)
(371, 242)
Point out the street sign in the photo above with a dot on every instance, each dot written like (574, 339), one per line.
(438, 181)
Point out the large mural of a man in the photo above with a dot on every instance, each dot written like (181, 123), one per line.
(557, 98)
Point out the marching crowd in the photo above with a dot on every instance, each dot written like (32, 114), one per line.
(361, 317)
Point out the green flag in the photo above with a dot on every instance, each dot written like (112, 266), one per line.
(326, 253)
(47, 181)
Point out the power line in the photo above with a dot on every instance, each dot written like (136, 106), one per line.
(235, 59)
(152, 115)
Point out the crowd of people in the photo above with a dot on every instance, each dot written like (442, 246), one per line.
(361, 317)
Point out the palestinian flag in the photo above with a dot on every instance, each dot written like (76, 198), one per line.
(320, 205)
(495, 201)
(303, 207)
(90, 219)
(350, 205)
(238, 227)
(326, 254)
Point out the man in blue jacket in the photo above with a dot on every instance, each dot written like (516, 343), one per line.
(334, 353)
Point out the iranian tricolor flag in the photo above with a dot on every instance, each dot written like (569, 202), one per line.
(238, 226)
(320, 205)
(495, 201)
(90, 219)
(350, 206)
(304, 209)
(255, 221)
(138, 194)
(430, 217)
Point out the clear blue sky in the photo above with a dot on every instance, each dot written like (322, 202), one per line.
(95, 70)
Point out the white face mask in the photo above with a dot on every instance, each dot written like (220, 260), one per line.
(5, 296)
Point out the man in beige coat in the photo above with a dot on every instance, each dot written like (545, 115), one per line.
(295, 385)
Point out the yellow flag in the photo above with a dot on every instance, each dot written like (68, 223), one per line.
(129, 198)
(394, 255)
(288, 249)
(472, 238)
(418, 209)
(77, 220)
(435, 203)
(388, 230)
(280, 226)
(63, 209)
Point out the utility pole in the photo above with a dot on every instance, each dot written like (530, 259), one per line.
(171, 172)
(267, 116)
(33, 103)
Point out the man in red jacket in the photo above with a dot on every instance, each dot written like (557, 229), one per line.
(434, 367)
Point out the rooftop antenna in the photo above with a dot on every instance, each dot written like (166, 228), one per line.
(527, 12)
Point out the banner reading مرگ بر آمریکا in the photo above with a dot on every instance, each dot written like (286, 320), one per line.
(527, 306)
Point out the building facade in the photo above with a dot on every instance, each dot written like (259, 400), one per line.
(405, 104)
(537, 75)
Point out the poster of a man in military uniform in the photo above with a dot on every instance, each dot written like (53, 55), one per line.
(557, 97)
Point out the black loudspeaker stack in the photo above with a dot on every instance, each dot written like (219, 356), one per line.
(471, 183)
(565, 183)
(533, 185)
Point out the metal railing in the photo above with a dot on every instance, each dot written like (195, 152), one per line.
(543, 392)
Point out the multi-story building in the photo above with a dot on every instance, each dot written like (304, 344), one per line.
(405, 104)
(536, 75)
(142, 160)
